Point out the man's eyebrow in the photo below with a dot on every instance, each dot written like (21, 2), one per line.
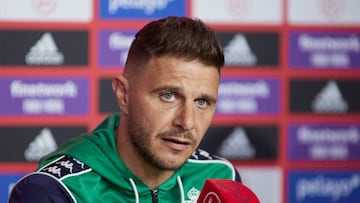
(167, 88)
(208, 98)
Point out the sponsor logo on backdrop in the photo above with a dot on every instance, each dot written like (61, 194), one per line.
(239, 7)
(44, 96)
(324, 142)
(42, 144)
(332, 8)
(250, 49)
(107, 101)
(241, 142)
(314, 187)
(7, 182)
(325, 50)
(237, 145)
(43, 48)
(134, 9)
(324, 97)
(238, 11)
(44, 52)
(114, 47)
(46, 10)
(44, 7)
(329, 100)
(248, 96)
(238, 52)
(324, 12)
(38, 141)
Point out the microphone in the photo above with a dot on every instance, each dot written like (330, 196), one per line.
(226, 191)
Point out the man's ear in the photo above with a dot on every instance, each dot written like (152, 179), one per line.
(120, 87)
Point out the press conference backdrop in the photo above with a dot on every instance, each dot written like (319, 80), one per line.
(288, 113)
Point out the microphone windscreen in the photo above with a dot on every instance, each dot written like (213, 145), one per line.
(226, 191)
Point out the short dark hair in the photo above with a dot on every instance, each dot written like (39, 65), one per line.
(181, 37)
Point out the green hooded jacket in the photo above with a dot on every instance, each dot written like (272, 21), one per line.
(88, 169)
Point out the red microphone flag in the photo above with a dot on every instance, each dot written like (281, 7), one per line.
(226, 191)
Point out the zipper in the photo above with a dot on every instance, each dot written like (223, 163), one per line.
(154, 195)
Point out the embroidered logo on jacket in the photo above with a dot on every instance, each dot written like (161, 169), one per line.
(193, 194)
(65, 166)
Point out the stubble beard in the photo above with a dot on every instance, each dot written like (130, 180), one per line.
(140, 140)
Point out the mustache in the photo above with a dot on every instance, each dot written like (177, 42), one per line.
(178, 134)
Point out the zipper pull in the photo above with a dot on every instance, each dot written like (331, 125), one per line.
(154, 194)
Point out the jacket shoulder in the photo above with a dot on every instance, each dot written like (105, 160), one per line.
(207, 160)
(64, 166)
(47, 183)
(40, 187)
(200, 154)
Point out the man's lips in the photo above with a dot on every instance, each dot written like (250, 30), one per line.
(177, 143)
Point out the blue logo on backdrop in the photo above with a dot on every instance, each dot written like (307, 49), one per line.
(7, 181)
(324, 187)
(141, 9)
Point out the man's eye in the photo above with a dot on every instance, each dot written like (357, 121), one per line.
(167, 96)
(202, 102)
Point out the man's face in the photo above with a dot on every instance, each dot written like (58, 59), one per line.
(171, 105)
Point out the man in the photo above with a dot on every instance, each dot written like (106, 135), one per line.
(167, 96)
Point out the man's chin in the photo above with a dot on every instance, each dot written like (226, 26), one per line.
(171, 166)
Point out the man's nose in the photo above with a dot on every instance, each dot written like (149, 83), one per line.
(185, 117)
